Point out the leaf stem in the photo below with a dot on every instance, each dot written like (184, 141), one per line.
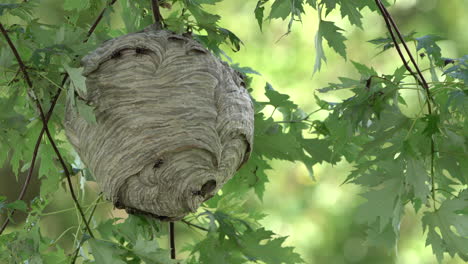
(68, 209)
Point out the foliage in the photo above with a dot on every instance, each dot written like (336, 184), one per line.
(398, 159)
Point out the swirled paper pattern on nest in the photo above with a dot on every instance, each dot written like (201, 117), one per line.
(174, 123)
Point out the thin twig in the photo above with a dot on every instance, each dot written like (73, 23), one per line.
(397, 47)
(194, 225)
(172, 240)
(33, 161)
(75, 255)
(14, 78)
(44, 121)
(98, 19)
(400, 36)
(49, 114)
(390, 22)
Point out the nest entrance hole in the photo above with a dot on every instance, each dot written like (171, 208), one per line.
(206, 189)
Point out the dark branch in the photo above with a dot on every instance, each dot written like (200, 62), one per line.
(44, 121)
(98, 19)
(390, 22)
(413, 61)
(17, 56)
(158, 20)
(34, 157)
(49, 114)
(172, 240)
(194, 225)
(77, 250)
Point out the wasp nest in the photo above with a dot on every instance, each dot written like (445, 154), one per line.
(174, 123)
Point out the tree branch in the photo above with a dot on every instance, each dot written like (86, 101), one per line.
(77, 250)
(172, 240)
(390, 22)
(413, 61)
(34, 157)
(49, 114)
(158, 20)
(98, 19)
(44, 121)
(194, 225)
(391, 25)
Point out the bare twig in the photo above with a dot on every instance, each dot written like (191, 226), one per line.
(194, 225)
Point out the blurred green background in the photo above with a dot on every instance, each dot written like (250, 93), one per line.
(317, 215)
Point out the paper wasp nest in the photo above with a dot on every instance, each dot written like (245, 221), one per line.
(174, 123)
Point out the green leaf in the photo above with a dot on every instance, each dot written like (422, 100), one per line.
(448, 228)
(23, 10)
(150, 252)
(280, 9)
(330, 5)
(320, 150)
(17, 205)
(86, 111)
(335, 39)
(208, 2)
(381, 203)
(428, 43)
(234, 240)
(77, 79)
(251, 175)
(432, 124)
(459, 70)
(277, 99)
(76, 5)
(365, 71)
(348, 9)
(271, 251)
(417, 176)
(312, 3)
(387, 42)
(259, 12)
(233, 39)
(105, 252)
(204, 19)
(272, 142)
(319, 53)
(4, 7)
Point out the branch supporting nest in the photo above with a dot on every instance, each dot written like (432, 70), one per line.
(158, 20)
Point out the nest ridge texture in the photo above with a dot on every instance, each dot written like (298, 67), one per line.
(174, 123)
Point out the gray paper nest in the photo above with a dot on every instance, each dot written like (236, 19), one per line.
(174, 123)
